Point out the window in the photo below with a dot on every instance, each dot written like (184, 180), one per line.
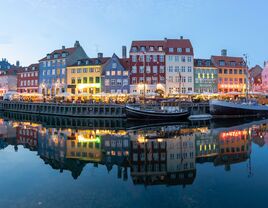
(225, 71)
(151, 48)
(177, 58)
(119, 72)
(113, 82)
(148, 69)
(113, 73)
(190, 79)
(160, 48)
(222, 63)
(170, 58)
(134, 58)
(85, 70)
(189, 69)
(189, 59)
(220, 71)
(90, 80)
(155, 58)
(134, 49)
(119, 82)
(114, 65)
(79, 80)
(107, 73)
(162, 69)
(125, 82)
(134, 80)
(240, 71)
(141, 69)
(170, 69)
(161, 58)
(183, 69)
(134, 69)
(188, 50)
(53, 71)
(171, 50)
(170, 79)
(142, 48)
(155, 69)
(235, 71)
(230, 71)
(148, 58)
(141, 58)
(177, 69)
(179, 50)
(107, 82)
(97, 79)
(183, 59)
(84, 80)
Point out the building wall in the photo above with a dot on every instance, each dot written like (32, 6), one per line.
(27, 81)
(264, 76)
(84, 79)
(115, 77)
(205, 79)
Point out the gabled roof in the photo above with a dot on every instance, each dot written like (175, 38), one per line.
(239, 61)
(68, 52)
(203, 63)
(29, 68)
(91, 61)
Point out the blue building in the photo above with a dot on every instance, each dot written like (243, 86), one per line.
(115, 75)
(52, 69)
(5, 65)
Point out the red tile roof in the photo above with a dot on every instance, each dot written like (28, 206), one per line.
(59, 51)
(91, 61)
(125, 62)
(28, 68)
(239, 61)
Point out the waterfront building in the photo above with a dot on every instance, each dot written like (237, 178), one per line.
(232, 73)
(84, 76)
(115, 75)
(147, 67)
(205, 76)
(4, 64)
(52, 69)
(179, 56)
(8, 80)
(27, 79)
(255, 78)
(264, 76)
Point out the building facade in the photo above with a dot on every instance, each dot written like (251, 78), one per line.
(27, 79)
(52, 69)
(205, 76)
(84, 76)
(147, 67)
(232, 73)
(8, 80)
(264, 76)
(255, 78)
(179, 58)
(115, 75)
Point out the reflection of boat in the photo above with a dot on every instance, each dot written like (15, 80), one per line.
(200, 117)
(156, 114)
(227, 109)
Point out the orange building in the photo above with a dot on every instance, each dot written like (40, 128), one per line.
(232, 73)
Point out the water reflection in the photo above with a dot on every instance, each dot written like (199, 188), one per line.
(146, 154)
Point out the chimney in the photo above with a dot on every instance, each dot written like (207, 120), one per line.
(63, 47)
(224, 52)
(100, 55)
(124, 52)
(76, 44)
(181, 37)
(17, 63)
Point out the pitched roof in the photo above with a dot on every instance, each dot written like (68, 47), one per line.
(91, 61)
(238, 61)
(69, 51)
(125, 62)
(203, 63)
(29, 68)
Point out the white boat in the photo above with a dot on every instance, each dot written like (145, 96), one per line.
(200, 117)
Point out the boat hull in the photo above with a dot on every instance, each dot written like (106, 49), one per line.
(224, 109)
(133, 113)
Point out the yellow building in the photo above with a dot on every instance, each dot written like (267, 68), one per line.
(84, 77)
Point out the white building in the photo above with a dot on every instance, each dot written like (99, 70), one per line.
(179, 66)
(8, 81)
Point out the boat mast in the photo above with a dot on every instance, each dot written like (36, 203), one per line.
(247, 79)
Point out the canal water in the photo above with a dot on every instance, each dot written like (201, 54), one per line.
(64, 162)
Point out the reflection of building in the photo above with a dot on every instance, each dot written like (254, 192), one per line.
(52, 69)
(234, 147)
(84, 145)
(27, 135)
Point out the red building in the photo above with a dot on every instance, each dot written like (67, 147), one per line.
(27, 135)
(148, 57)
(27, 79)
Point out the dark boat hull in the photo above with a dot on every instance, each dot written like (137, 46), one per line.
(224, 109)
(148, 115)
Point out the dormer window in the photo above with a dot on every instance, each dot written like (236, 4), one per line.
(48, 56)
(134, 49)
(179, 50)
(142, 48)
(207, 62)
(87, 62)
(188, 50)
(55, 55)
(160, 48)
(199, 63)
(33, 68)
(96, 61)
(171, 50)
(151, 48)
(63, 54)
(78, 63)
(222, 63)
(232, 63)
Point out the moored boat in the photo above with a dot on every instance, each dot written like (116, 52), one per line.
(137, 112)
(225, 109)
(200, 117)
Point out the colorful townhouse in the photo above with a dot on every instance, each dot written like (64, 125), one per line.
(232, 73)
(264, 76)
(115, 75)
(205, 76)
(255, 78)
(52, 69)
(27, 79)
(179, 56)
(8, 80)
(147, 67)
(84, 76)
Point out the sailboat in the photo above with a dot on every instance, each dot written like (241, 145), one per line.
(160, 113)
